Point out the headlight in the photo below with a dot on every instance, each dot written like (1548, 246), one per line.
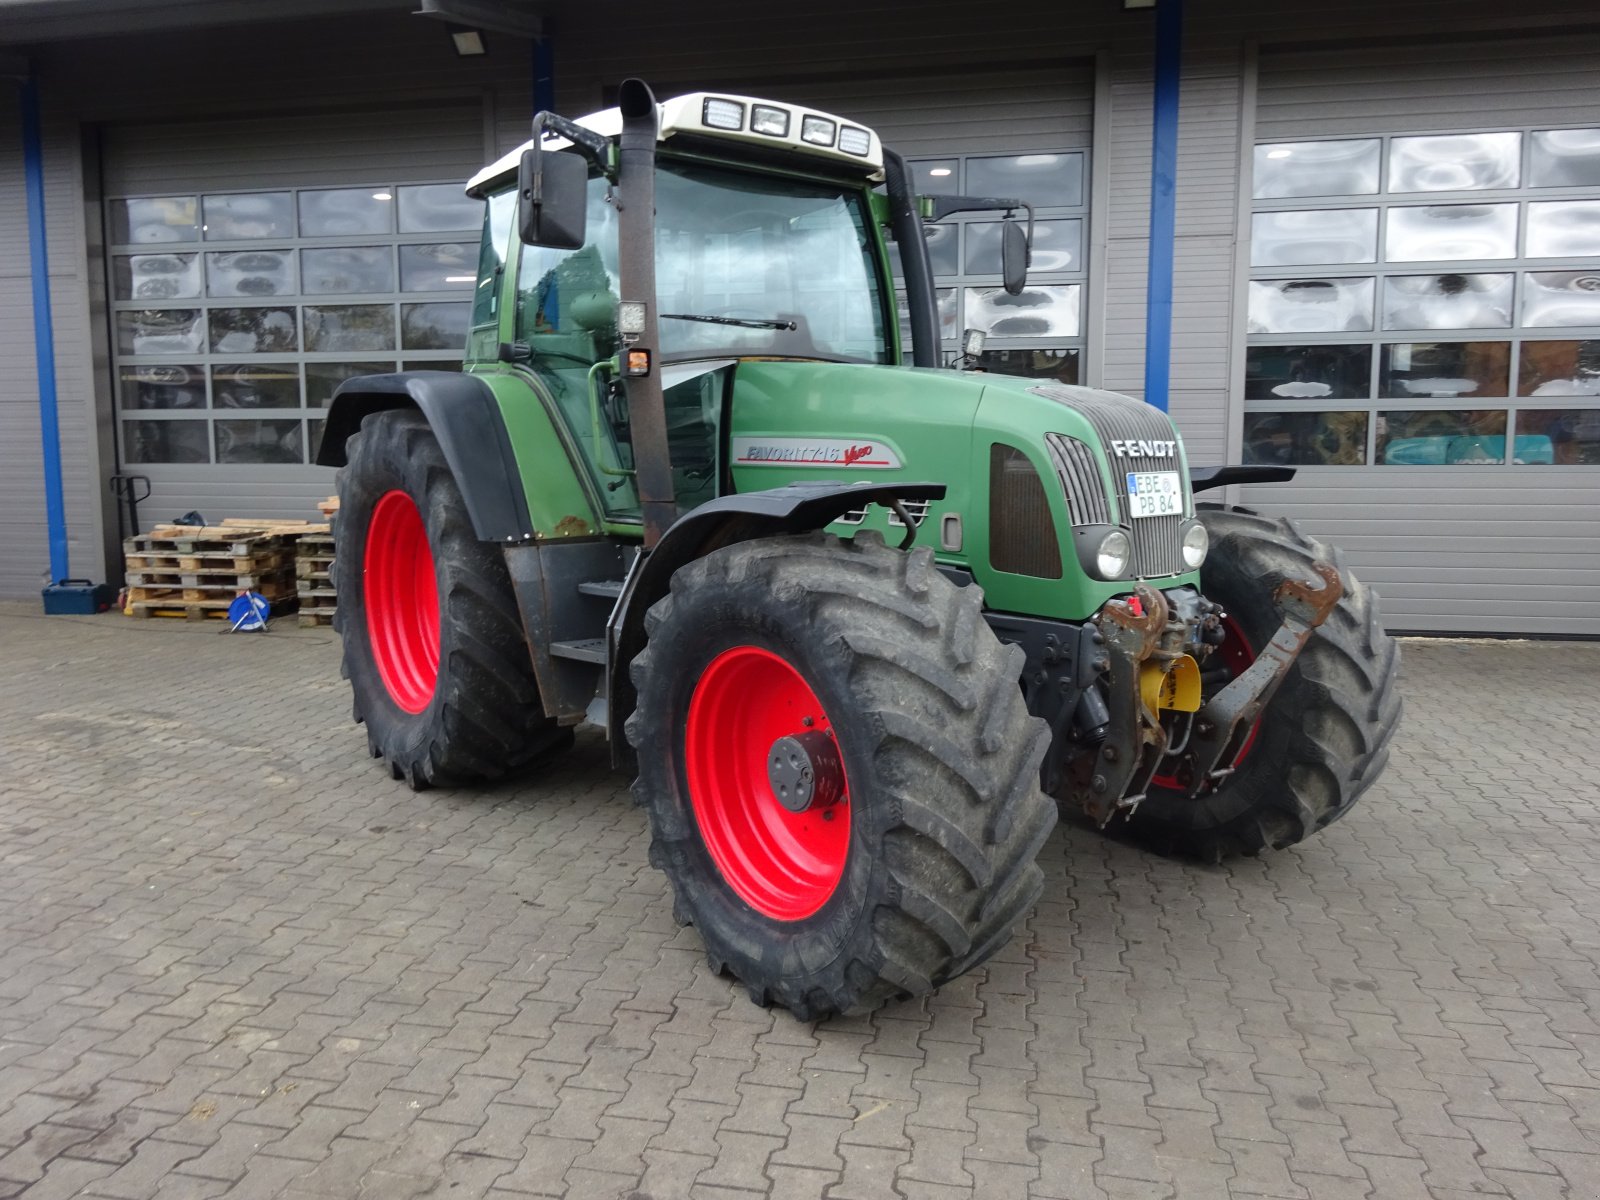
(854, 141)
(819, 131)
(772, 121)
(722, 114)
(1112, 554)
(1196, 541)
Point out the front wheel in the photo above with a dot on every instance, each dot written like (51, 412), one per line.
(840, 772)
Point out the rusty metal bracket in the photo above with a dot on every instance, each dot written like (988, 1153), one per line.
(1223, 725)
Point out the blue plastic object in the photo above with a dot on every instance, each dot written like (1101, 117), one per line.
(249, 612)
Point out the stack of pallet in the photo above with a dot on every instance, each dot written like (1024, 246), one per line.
(313, 564)
(197, 571)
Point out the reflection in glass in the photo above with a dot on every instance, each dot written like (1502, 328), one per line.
(251, 273)
(349, 327)
(1455, 162)
(433, 326)
(431, 364)
(1044, 180)
(1571, 434)
(313, 438)
(942, 245)
(1343, 168)
(447, 267)
(1442, 439)
(1446, 369)
(346, 212)
(1055, 363)
(438, 208)
(1564, 229)
(1561, 298)
(1310, 305)
(1564, 158)
(1451, 232)
(165, 442)
(160, 331)
(1333, 235)
(156, 277)
(1040, 311)
(253, 330)
(949, 313)
(347, 270)
(256, 215)
(1316, 439)
(163, 386)
(937, 177)
(1308, 372)
(323, 377)
(154, 220)
(1056, 247)
(273, 440)
(1559, 369)
(1447, 301)
(255, 385)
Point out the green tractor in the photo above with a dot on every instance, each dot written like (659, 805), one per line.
(859, 624)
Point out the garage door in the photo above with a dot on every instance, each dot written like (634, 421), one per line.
(1424, 323)
(253, 265)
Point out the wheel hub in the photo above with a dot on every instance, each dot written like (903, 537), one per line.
(805, 771)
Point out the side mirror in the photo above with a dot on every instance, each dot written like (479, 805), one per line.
(1014, 257)
(552, 197)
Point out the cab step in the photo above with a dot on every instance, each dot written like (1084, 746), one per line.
(590, 650)
(609, 588)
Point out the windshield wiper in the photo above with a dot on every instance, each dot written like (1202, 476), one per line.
(744, 322)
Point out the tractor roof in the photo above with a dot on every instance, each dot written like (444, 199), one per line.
(770, 123)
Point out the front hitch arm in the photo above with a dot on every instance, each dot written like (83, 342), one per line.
(1222, 726)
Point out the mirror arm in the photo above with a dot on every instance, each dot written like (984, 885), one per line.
(596, 147)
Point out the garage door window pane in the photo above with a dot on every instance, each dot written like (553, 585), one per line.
(264, 441)
(1445, 369)
(1044, 180)
(446, 267)
(160, 331)
(1458, 162)
(1447, 302)
(1564, 436)
(323, 377)
(438, 208)
(1040, 311)
(1451, 232)
(154, 221)
(1310, 305)
(949, 300)
(251, 273)
(1561, 298)
(1058, 364)
(1318, 439)
(253, 330)
(938, 178)
(1559, 369)
(1344, 168)
(349, 327)
(347, 270)
(1056, 247)
(431, 364)
(433, 326)
(255, 385)
(346, 212)
(1293, 239)
(1564, 158)
(163, 386)
(1442, 439)
(1308, 372)
(943, 242)
(256, 215)
(165, 442)
(1564, 229)
(156, 277)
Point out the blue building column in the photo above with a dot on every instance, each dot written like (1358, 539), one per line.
(1163, 203)
(544, 75)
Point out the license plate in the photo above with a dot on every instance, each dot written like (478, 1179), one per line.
(1154, 494)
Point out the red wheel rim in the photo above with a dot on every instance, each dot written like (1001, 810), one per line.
(783, 864)
(1235, 654)
(402, 599)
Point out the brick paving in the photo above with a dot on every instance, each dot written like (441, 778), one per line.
(237, 960)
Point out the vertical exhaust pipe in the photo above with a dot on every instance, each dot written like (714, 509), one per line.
(636, 264)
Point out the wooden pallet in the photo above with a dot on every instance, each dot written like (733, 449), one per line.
(216, 593)
(312, 617)
(198, 610)
(209, 562)
(244, 579)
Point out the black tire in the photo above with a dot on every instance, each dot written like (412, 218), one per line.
(941, 756)
(485, 718)
(1325, 736)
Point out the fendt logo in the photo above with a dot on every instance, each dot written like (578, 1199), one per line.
(1141, 449)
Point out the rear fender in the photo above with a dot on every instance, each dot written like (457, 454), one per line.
(465, 417)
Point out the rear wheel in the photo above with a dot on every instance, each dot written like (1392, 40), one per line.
(840, 771)
(433, 644)
(1322, 740)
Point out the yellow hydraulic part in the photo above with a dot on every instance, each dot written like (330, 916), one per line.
(1177, 686)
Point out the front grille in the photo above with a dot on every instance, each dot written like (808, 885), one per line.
(1022, 533)
(1080, 476)
(1157, 541)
